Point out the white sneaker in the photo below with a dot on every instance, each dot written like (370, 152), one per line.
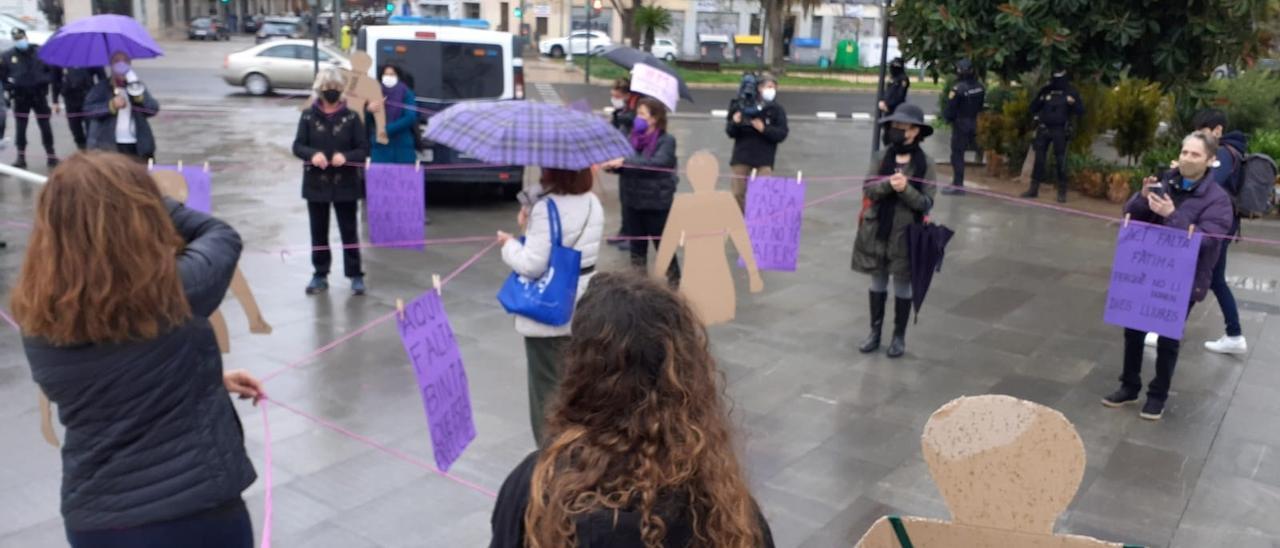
(1152, 339)
(1228, 345)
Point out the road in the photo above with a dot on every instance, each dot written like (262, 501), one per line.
(841, 104)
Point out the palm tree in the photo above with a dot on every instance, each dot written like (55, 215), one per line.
(651, 20)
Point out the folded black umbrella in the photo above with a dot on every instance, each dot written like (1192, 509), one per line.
(628, 58)
(926, 245)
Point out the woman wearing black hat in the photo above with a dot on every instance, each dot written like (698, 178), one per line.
(892, 200)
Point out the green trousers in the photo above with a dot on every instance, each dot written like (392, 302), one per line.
(544, 376)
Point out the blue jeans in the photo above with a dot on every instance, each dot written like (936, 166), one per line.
(1222, 291)
(226, 526)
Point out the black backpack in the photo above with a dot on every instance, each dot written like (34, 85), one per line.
(1254, 178)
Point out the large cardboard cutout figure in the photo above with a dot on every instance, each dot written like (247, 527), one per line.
(699, 222)
(1007, 468)
(174, 185)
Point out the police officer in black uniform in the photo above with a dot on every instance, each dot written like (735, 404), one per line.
(1055, 107)
(895, 92)
(76, 83)
(967, 99)
(27, 79)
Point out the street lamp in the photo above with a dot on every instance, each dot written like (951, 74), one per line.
(594, 7)
(884, 62)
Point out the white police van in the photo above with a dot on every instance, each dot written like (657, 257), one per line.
(448, 65)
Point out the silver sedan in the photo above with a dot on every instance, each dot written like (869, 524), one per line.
(279, 64)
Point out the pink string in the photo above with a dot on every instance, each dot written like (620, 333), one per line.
(428, 242)
(9, 320)
(267, 504)
(388, 450)
(378, 321)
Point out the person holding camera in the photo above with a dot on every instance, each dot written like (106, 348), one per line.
(1055, 107)
(1185, 198)
(757, 123)
(120, 108)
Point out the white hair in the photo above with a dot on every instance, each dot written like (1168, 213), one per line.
(330, 77)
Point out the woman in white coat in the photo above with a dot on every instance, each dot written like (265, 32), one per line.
(582, 225)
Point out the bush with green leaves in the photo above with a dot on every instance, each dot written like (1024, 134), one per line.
(1266, 142)
(1098, 116)
(1252, 101)
(1137, 105)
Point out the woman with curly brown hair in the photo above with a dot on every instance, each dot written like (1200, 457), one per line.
(114, 300)
(639, 452)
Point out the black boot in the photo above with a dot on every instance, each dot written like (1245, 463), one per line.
(872, 342)
(1033, 192)
(21, 162)
(901, 315)
(1062, 193)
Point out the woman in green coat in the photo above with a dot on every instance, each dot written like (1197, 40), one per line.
(893, 200)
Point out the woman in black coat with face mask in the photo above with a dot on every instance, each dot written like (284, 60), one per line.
(893, 200)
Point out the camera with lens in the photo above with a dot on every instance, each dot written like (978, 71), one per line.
(748, 100)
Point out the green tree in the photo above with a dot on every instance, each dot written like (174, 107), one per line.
(650, 20)
(775, 12)
(1174, 44)
(1136, 117)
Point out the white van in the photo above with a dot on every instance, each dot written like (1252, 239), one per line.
(449, 65)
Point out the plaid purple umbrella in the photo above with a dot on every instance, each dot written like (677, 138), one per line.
(525, 133)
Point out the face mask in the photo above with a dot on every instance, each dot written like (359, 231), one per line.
(22, 44)
(331, 95)
(897, 137)
(390, 81)
(120, 68)
(618, 103)
(641, 125)
(769, 94)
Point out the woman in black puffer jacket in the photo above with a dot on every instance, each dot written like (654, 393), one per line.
(117, 333)
(647, 182)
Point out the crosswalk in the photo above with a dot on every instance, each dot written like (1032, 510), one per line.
(546, 93)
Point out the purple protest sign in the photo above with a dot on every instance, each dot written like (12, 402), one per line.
(429, 341)
(396, 205)
(199, 186)
(1151, 279)
(775, 215)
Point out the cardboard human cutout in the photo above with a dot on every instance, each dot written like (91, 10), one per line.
(699, 222)
(1007, 468)
(174, 185)
(361, 89)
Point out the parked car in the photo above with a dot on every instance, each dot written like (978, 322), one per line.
(279, 64)
(252, 24)
(10, 22)
(273, 28)
(207, 28)
(576, 43)
(665, 49)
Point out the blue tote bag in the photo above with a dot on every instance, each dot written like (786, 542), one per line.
(549, 299)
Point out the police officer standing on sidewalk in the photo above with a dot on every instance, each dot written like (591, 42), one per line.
(26, 80)
(1055, 107)
(895, 93)
(76, 84)
(967, 99)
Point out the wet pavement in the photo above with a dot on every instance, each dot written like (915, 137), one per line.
(830, 437)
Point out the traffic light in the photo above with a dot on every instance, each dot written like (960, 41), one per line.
(519, 13)
(226, 1)
(391, 7)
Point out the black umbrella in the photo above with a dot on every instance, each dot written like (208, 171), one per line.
(627, 58)
(926, 244)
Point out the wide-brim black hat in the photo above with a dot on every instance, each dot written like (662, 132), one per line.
(908, 113)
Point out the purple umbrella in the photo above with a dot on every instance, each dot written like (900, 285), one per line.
(525, 133)
(90, 42)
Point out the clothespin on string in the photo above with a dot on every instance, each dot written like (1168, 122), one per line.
(753, 174)
(179, 165)
(1191, 230)
(799, 177)
(417, 166)
(400, 308)
(435, 282)
(681, 238)
(1126, 220)
(206, 166)
(151, 164)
